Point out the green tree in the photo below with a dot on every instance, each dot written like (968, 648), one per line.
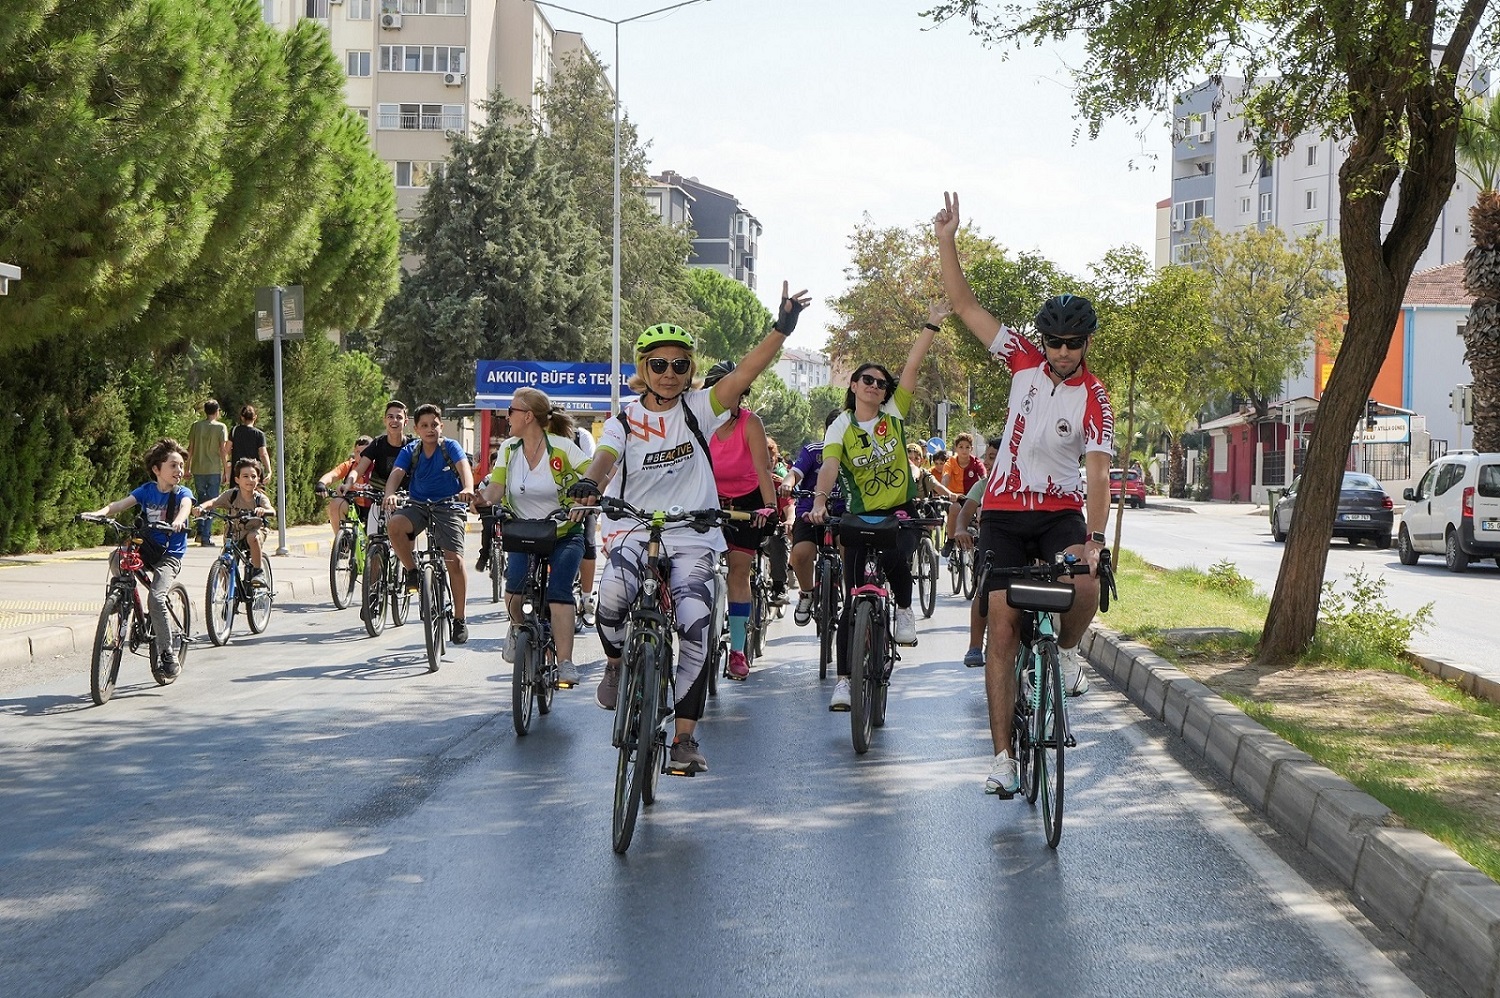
(785, 412)
(509, 266)
(733, 320)
(1383, 80)
(1479, 150)
(820, 402)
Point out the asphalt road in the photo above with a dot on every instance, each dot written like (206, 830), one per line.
(309, 812)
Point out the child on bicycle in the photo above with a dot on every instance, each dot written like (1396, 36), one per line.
(337, 504)
(166, 504)
(246, 497)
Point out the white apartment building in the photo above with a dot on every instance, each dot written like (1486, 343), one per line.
(804, 370)
(419, 69)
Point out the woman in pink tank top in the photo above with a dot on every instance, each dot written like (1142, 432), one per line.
(742, 471)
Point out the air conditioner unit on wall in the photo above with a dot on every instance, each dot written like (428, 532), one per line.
(1178, 225)
(335, 2)
(453, 79)
(392, 21)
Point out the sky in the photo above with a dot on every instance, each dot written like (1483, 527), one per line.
(817, 113)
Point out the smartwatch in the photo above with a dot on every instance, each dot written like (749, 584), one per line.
(1097, 537)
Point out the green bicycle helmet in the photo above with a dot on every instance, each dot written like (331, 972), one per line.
(664, 334)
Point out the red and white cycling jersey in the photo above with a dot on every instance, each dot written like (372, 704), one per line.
(1050, 427)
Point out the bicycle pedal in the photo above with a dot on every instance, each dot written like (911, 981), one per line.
(993, 791)
(681, 772)
(1070, 742)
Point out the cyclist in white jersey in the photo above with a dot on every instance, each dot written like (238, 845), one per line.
(1034, 505)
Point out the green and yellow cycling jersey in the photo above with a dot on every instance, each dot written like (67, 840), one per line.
(871, 456)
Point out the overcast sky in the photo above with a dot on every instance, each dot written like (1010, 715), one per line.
(816, 112)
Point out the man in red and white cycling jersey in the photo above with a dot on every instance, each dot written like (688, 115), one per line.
(1034, 505)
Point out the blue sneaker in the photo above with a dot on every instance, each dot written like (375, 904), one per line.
(974, 658)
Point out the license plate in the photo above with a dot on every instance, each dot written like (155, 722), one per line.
(1490, 525)
(1356, 516)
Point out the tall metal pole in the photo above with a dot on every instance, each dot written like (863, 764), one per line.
(614, 311)
(278, 329)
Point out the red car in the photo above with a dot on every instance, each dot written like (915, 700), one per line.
(1135, 487)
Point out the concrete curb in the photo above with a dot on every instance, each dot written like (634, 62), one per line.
(1427, 892)
(1459, 675)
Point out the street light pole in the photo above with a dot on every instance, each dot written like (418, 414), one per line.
(614, 270)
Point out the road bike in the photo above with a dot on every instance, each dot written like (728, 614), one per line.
(872, 650)
(434, 597)
(347, 556)
(125, 620)
(534, 671)
(924, 569)
(1040, 732)
(383, 587)
(645, 703)
(230, 585)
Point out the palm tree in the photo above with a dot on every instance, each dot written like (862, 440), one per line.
(1479, 152)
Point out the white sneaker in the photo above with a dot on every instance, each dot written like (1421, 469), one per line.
(1004, 779)
(840, 699)
(1075, 683)
(803, 613)
(567, 674)
(590, 608)
(906, 627)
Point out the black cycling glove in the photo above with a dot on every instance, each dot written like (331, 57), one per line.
(786, 315)
(584, 488)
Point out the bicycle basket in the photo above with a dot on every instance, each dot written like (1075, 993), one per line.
(533, 537)
(879, 531)
(1040, 597)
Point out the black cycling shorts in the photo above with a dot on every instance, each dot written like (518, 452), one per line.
(741, 536)
(1012, 538)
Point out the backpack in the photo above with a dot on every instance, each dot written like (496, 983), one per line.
(151, 550)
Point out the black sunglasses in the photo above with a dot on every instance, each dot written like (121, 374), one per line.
(873, 381)
(1070, 342)
(659, 365)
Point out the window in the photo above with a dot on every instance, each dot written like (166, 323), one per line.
(422, 117)
(422, 58)
(358, 10)
(1449, 476)
(1312, 155)
(315, 8)
(1488, 482)
(1310, 199)
(1247, 161)
(357, 63)
(363, 112)
(1244, 206)
(268, 11)
(416, 174)
(1265, 207)
(424, 6)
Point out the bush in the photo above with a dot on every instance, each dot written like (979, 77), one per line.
(1224, 577)
(1359, 622)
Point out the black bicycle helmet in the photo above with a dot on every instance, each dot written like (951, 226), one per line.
(716, 373)
(1067, 315)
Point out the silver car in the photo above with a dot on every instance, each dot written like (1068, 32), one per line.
(1365, 511)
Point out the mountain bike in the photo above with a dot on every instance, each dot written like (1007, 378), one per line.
(347, 556)
(125, 621)
(383, 585)
(1040, 732)
(924, 569)
(534, 672)
(230, 586)
(645, 704)
(434, 597)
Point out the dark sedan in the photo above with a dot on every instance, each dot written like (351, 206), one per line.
(1365, 512)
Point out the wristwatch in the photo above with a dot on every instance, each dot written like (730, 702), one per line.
(1097, 537)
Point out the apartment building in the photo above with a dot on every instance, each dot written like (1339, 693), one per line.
(420, 69)
(804, 370)
(727, 237)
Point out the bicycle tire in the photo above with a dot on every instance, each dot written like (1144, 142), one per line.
(1049, 741)
(956, 570)
(261, 595)
(400, 595)
(970, 573)
(881, 685)
(372, 596)
(827, 611)
(718, 662)
(762, 616)
(219, 603)
(1021, 748)
(864, 671)
(634, 751)
(522, 684)
(432, 625)
(180, 621)
(497, 573)
(927, 572)
(343, 572)
(110, 638)
(546, 677)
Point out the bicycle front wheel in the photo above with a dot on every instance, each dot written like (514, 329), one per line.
(761, 615)
(544, 681)
(372, 596)
(1048, 736)
(522, 684)
(342, 569)
(927, 573)
(864, 674)
(971, 573)
(956, 570)
(262, 592)
(432, 620)
(497, 573)
(180, 616)
(1021, 747)
(827, 614)
(400, 596)
(634, 758)
(219, 603)
(110, 638)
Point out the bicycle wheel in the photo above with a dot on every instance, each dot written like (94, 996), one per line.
(372, 596)
(927, 573)
(522, 684)
(497, 573)
(110, 638)
(180, 613)
(400, 596)
(864, 674)
(635, 743)
(1021, 748)
(219, 603)
(882, 686)
(761, 615)
(827, 614)
(1047, 727)
(970, 573)
(342, 569)
(262, 593)
(956, 570)
(545, 679)
(427, 597)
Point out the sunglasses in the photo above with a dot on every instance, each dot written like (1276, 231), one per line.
(1065, 342)
(873, 382)
(659, 365)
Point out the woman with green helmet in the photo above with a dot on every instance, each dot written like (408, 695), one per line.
(654, 455)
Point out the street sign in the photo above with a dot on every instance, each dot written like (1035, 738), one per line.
(574, 385)
(291, 313)
(934, 444)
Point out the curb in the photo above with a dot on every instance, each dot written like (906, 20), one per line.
(1427, 892)
(1459, 675)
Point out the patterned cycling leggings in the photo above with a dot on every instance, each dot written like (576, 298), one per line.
(692, 597)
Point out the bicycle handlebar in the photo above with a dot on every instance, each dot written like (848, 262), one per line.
(701, 519)
(128, 528)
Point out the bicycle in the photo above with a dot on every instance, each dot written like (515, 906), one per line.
(963, 569)
(433, 594)
(489, 520)
(534, 672)
(760, 608)
(346, 557)
(1040, 732)
(125, 621)
(229, 585)
(828, 592)
(872, 652)
(644, 708)
(925, 561)
(383, 585)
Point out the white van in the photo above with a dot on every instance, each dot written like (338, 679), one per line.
(1454, 511)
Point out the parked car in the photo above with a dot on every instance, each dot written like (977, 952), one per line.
(1453, 511)
(1365, 512)
(1135, 487)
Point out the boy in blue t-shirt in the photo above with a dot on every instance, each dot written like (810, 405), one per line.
(164, 501)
